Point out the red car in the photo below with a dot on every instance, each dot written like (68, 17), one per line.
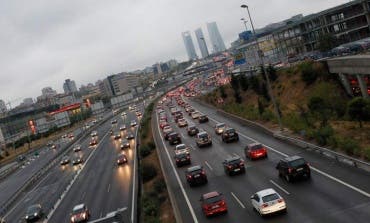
(213, 203)
(255, 151)
(163, 124)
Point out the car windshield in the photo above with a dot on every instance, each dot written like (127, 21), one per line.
(77, 210)
(213, 199)
(33, 209)
(230, 131)
(270, 197)
(179, 147)
(181, 155)
(297, 162)
(220, 125)
(203, 135)
(234, 161)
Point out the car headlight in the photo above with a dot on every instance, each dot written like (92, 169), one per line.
(35, 214)
(27, 217)
(72, 219)
(84, 215)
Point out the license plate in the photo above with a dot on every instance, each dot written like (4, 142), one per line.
(237, 169)
(231, 134)
(216, 206)
(183, 159)
(259, 154)
(197, 175)
(299, 169)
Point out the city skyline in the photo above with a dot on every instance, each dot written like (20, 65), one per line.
(201, 39)
(42, 50)
(189, 45)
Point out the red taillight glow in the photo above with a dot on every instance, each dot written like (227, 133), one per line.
(264, 205)
(290, 170)
(203, 172)
(280, 200)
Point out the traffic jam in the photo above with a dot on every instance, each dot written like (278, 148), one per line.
(174, 114)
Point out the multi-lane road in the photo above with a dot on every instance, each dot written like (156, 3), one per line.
(98, 182)
(335, 192)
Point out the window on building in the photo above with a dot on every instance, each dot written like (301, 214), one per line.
(336, 17)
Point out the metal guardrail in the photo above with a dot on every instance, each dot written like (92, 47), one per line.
(295, 141)
(46, 168)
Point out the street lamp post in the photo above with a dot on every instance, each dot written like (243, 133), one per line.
(260, 56)
(245, 23)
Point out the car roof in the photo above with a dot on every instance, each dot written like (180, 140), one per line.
(173, 133)
(194, 168)
(266, 192)
(292, 158)
(211, 194)
(78, 207)
(254, 144)
(180, 145)
(202, 133)
(220, 124)
(232, 158)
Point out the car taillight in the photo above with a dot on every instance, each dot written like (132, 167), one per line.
(188, 157)
(177, 160)
(290, 170)
(241, 163)
(229, 166)
(264, 205)
(189, 176)
(280, 200)
(222, 203)
(203, 172)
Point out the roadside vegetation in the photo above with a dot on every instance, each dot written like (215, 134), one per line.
(154, 202)
(312, 103)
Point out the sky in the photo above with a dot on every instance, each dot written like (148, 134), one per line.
(44, 42)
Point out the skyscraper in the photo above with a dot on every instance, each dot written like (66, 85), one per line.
(189, 45)
(215, 36)
(201, 42)
(69, 86)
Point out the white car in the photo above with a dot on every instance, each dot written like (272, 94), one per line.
(133, 123)
(94, 133)
(268, 201)
(182, 148)
(123, 114)
(219, 128)
(195, 115)
(182, 122)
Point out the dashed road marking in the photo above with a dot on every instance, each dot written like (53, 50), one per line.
(209, 166)
(237, 200)
(280, 187)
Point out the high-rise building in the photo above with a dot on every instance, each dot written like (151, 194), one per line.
(2, 107)
(69, 86)
(121, 83)
(48, 92)
(215, 36)
(201, 42)
(189, 45)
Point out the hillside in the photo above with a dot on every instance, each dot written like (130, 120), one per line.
(312, 102)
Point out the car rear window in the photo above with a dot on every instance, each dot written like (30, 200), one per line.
(236, 161)
(203, 136)
(270, 197)
(220, 125)
(213, 200)
(298, 162)
(256, 147)
(231, 131)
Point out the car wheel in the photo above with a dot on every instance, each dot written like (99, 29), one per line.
(287, 178)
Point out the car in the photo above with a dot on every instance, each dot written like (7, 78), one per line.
(293, 167)
(167, 129)
(125, 144)
(229, 135)
(163, 124)
(94, 133)
(21, 158)
(192, 130)
(111, 132)
(178, 116)
(130, 136)
(122, 128)
(174, 138)
(121, 159)
(203, 139)
(195, 115)
(255, 151)
(182, 158)
(187, 109)
(138, 114)
(123, 114)
(77, 148)
(233, 165)
(64, 161)
(219, 128)
(268, 201)
(196, 175)
(117, 136)
(182, 123)
(203, 118)
(173, 110)
(182, 148)
(213, 203)
(53, 146)
(133, 123)
(93, 142)
(80, 213)
(114, 121)
(191, 110)
(70, 135)
(77, 160)
(34, 213)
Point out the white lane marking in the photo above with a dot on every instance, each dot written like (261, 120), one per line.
(182, 135)
(209, 166)
(178, 178)
(366, 194)
(280, 187)
(108, 188)
(237, 199)
(235, 154)
(83, 196)
(191, 146)
(73, 181)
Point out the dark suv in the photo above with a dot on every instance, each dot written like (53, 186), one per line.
(203, 139)
(234, 165)
(196, 175)
(174, 138)
(182, 159)
(230, 135)
(293, 167)
(192, 130)
(203, 119)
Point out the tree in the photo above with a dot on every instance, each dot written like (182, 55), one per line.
(243, 82)
(222, 92)
(254, 83)
(309, 74)
(272, 73)
(359, 110)
(327, 42)
(234, 82)
(238, 97)
(321, 108)
(261, 107)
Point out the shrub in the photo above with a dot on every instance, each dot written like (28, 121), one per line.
(323, 134)
(244, 84)
(150, 206)
(359, 109)
(268, 115)
(159, 185)
(144, 151)
(367, 153)
(151, 145)
(222, 92)
(350, 146)
(148, 172)
(294, 122)
(308, 73)
(254, 83)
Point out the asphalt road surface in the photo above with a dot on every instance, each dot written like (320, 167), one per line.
(335, 193)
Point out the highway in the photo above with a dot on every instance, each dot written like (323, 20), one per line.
(335, 192)
(98, 182)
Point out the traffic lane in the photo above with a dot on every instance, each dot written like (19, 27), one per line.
(94, 186)
(333, 201)
(52, 185)
(355, 176)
